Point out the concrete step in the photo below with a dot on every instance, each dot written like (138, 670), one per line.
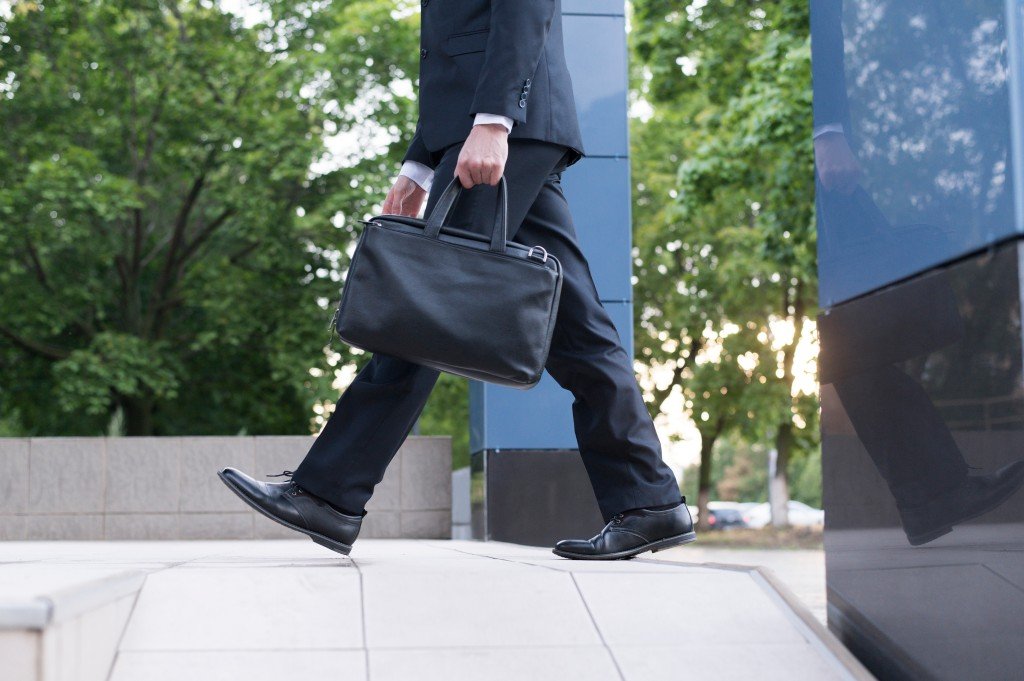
(63, 622)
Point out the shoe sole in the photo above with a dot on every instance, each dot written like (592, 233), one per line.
(926, 537)
(653, 547)
(320, 539)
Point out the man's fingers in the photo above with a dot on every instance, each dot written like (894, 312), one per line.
(464, 179)
(393, 203)
(479, 166)
(481, 172)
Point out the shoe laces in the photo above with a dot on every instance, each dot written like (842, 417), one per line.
(617, 518)
(293, 489)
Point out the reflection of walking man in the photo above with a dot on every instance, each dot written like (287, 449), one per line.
(495, 98)
(864, 342)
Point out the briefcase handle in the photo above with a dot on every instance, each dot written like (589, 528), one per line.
(443, 207)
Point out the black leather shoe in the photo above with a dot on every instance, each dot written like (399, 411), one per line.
(977, 495)
(294, 507)
(631, 533)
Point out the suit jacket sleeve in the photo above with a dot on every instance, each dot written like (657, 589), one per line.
(831, 103)
(417, 150)
(518, 32)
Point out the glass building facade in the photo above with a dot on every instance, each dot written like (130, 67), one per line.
(918, 144)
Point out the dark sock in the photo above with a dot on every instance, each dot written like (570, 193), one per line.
(337, 508)
(346, 511)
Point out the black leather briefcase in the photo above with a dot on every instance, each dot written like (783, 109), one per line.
(452, 299)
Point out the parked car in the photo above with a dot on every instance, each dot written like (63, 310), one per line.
(722, 515)
(800, 515)
(725, 515)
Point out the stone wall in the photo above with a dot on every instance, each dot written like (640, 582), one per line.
(167, 488)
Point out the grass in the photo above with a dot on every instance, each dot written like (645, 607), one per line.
(766, 538)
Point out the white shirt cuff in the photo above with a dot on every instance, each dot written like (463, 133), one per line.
(482, 118)
(828, 127)
(418, 173)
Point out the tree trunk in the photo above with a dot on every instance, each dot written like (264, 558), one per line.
(778, 477)
(707, 445)
(778, 480)
(138, 415)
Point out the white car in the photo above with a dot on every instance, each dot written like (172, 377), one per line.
(800, 515)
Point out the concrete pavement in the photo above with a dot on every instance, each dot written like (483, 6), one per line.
(801, 570)
(398, 609)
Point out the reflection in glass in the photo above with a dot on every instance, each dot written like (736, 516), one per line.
(912, 122)
(893, 417)
(920, 267)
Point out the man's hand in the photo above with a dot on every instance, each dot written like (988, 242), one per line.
(837, 166)
(405, 198)
(483, 155)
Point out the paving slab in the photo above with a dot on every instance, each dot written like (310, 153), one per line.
(592, 663)
(497, 606)
(434, 609)
(271, 665)
(247, 608)
(802, 570)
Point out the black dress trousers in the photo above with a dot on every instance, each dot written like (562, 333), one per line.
(616, 436)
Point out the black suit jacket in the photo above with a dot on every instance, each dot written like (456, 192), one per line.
(493, 56)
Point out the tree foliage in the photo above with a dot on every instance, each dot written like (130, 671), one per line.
(725, 241)
(169, 250)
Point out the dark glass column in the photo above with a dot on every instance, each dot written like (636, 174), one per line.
(918, 142)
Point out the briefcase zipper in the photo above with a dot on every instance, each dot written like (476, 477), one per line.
(529, 254)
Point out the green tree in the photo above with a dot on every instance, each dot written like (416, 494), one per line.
(724, 207)
(739, 471)
(447, 413)
(168, 251)
(743, 471)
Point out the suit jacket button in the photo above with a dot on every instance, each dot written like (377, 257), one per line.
(423, 53)
(522, 103)
(528, 81)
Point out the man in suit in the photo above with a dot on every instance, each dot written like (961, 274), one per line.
(495, 99)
